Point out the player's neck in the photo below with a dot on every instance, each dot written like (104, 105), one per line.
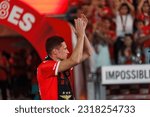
(55, 58)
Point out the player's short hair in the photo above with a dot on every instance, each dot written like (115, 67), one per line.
(53, 42)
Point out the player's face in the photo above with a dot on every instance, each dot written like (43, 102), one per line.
(62, 51)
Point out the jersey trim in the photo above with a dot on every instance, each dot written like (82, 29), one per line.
(56, 71)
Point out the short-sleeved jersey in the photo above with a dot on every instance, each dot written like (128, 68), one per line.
(50, 82)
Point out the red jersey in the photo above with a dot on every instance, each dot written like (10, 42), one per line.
(53, 85)
(145, 18)
(146, 31)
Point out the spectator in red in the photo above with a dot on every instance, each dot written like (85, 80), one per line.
(104, 9)
(144, 11)
(93, 14)
(142, 38)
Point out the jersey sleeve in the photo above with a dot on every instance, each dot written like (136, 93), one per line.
(50, 68)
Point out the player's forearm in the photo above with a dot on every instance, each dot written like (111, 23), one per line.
(75, 57)
(78, 51)
(87, 50)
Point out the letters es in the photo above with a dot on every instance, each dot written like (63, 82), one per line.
(23, 20)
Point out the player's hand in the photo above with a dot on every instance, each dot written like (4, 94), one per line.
(85, 20)
(80, 27)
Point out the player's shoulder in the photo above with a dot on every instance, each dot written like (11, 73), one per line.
(46, 62)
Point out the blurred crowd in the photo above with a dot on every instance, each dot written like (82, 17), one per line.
(18, 75)
(119, 30)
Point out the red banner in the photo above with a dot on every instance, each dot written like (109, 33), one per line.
(51, 7)
(32, 25)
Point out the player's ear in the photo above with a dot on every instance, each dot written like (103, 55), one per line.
(54, 51)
